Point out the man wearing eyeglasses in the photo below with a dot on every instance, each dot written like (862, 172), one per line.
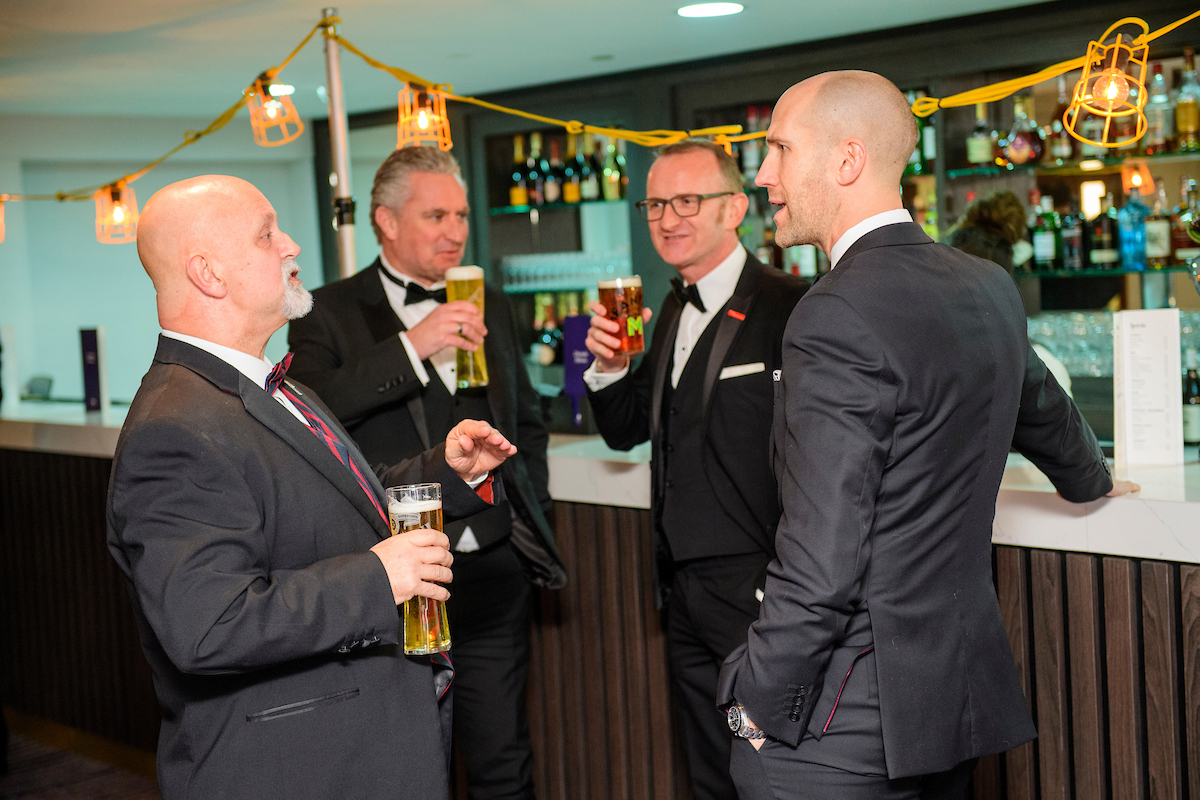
(703, 397)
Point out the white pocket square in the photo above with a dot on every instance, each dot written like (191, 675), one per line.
(742, 369)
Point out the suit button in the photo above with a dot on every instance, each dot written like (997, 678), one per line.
(381, 389)
(794, 717)
(803, 691)
(343, 649)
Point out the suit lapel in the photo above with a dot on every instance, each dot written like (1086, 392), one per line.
(383, 323)
(660, 357)
(730, 323)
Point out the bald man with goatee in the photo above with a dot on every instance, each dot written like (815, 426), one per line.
(255, 538)
(879, 666)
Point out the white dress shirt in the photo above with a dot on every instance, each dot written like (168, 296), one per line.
(412, 315)
(715, 290)
(256, 369)
(860, 230)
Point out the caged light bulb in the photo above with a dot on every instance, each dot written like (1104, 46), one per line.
(1111, 89)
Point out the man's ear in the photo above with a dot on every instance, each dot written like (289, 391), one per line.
(735, 210)
(852, 159)
(386, 221)
(200, 273)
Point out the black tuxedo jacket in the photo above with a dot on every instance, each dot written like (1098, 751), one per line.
(349, 351)
(270, 629)
(906, 378)
(737, 411)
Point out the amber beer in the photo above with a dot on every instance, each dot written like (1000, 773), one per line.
(622, 299)
(419, 505)
(466, 283)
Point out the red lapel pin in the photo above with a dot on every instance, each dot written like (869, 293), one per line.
(736, 314)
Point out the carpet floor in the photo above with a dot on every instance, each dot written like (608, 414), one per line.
(38, 772)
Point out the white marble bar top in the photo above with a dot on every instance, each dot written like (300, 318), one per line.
(1160, 522)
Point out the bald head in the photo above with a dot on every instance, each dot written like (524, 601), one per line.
(222, 269)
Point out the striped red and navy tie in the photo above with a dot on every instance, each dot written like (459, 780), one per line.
(323, 432)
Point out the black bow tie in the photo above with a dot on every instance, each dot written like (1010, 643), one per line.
(413, 291)
(687, 294)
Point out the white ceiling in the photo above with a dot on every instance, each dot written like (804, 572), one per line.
(193, 57)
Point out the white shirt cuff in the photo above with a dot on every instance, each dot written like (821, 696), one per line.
(597, 380)
(475, 482)
(418, 367)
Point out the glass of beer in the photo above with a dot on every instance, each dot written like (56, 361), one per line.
(622, 300)
(466, 283)
(412, 506)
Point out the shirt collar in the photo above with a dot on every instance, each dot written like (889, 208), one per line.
(860, 230)
(721, 281)
(401, 276)
(256, 369)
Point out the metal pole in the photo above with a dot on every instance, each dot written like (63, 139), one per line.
(343, 202)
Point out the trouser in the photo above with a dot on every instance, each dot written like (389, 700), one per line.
(489, 627)
(711, 606)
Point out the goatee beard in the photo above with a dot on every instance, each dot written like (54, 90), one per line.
(297, 301)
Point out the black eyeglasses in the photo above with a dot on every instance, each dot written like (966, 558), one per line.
(684, 205)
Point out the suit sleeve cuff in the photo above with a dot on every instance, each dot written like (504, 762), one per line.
(418, 367)
(597, 380)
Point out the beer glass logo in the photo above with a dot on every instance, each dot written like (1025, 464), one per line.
(634, 326)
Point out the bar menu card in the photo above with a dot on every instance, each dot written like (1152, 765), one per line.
(1147, 387)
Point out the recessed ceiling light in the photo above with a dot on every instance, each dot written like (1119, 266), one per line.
(710, 10)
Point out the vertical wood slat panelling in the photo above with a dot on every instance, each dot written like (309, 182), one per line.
(1012, 570)
(1050, 674)
(1164, 755)
(1087, 676)
(1126, 742)
(1189, 624)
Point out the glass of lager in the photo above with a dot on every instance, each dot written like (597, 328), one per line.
(622, 299)
(466, 283)
(412, 506)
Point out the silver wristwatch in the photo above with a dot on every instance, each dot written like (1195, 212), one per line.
(739, 723)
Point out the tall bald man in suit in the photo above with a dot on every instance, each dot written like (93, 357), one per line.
(879, 666)
(254, 536)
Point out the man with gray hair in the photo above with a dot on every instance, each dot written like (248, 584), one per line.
(380, 348)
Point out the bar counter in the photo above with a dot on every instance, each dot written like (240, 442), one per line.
(1101, 600)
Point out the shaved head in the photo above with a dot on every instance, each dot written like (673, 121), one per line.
(221, 268)
(837, 148)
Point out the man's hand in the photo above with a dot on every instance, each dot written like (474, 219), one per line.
(1123, 487)
(601, 339)
(458, 324)
(474, 448)
(416, 563)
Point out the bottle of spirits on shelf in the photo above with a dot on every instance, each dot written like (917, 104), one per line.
(1191, 400)
(928, 140)
(1158, 230)
(624, 169)
(1160, 116)
(1072, 240)
(518, 191)
(610, 180)
(1047, 237)
(1187, 107)
(589, 181)
(979, 143)
(1183, 249)
(1131, 221)
(1025, 143)
(572, 172)
(1061, 143)
(751, 148)
(535, 179)
(550, 337)
(1103, 238)
(553, 186)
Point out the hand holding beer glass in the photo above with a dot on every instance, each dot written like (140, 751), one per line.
(466, 283)
(412, 507)
(618, 327)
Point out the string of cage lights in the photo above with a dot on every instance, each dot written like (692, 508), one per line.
(1111, 86)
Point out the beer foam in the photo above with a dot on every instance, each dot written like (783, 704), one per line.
(413, 506)
(621, 283)
(464, 273)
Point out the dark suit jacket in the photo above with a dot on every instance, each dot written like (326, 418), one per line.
(348, 350)
(270, 629)
(906, 378)
(737, 419)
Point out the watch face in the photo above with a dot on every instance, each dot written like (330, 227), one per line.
(734, 718)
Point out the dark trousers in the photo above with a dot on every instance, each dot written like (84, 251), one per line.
(711, 607)
(489, 628)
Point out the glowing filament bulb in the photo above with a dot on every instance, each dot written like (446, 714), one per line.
(1111, 89)
(1136, 180)
(423, 120)
(118, 213)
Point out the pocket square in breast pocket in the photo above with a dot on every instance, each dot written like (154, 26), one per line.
(742, 369)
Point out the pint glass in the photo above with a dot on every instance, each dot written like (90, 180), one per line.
(622, 300)
(419, 505)
(466, 283)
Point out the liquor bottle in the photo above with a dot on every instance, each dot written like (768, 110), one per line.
(1191, 400)
(1124, 129)
(1160, 116)
(589, 179)
(1103, 239)
(624, 169)
(1183, 249)
(1061, 143)
(518, 191)
(610, 181)
(553, 187)
(751, 148)
(1047, 237)
(572, 172)
(979, 143)
(550, 337)
(916, 165)
(929, 140)
(1092, 128)
(1187, 107)
(1158, 230)
(1131, 221)
(1026, 144)
(535, 179)
(1072, 240)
